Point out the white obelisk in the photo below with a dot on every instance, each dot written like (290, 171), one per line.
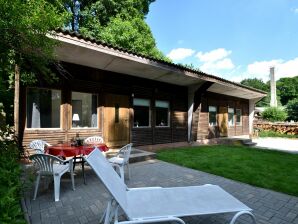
(273, 101)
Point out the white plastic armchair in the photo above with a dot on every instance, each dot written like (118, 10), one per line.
(38, 145)
(157, 204)
(93, 140)
(49, 165)
(122, 159)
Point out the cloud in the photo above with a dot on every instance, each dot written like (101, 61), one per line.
(295, 10)
(213, 55)
(214, 66)
(215, 61)
(180, 53)
(260, 69)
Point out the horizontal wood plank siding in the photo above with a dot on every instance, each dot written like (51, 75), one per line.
(217, 100)
(55, 136)
(142, 136)
(163, 135)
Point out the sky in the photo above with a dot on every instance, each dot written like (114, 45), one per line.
(232, 39)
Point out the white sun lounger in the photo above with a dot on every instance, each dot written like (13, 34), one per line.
(156, 204)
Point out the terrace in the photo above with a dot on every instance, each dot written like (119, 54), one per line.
(87, 203)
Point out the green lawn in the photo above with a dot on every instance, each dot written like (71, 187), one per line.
(268, 169)
(275, 134)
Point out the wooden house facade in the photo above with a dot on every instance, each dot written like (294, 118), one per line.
(126, 97)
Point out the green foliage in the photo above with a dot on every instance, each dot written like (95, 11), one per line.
(268, 169)
(121, 23)
(259, 84)
(287, 89)
(292, 109)
(10, 184)
(24, 25)
(23, 29)
(274, 114)
(256, 83)
(275, 134)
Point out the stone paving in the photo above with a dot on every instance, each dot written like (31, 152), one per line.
(87, 203)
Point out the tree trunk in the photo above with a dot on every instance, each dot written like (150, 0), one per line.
(16, 99)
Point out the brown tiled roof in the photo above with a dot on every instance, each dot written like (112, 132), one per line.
(181, 67)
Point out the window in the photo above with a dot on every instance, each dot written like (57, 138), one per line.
(84, 110)
(238, 117)
(231, 116)
(43, 108)
(212, 115)
(162, 109)
(141, 108)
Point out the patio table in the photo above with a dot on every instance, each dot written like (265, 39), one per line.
(69, 150)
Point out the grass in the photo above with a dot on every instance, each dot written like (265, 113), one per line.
(275, 134)
(268, 169)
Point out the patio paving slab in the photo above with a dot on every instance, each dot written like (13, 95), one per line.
(87, 203)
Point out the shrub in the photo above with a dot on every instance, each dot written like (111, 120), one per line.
(10, 182)
(274, 114)
(292, 109)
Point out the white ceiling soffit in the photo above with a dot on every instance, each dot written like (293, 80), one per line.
(234, 91)
(79, 51)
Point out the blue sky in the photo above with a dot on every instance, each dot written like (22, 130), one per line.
(233, 39)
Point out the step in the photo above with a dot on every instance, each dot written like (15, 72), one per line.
(249, 143)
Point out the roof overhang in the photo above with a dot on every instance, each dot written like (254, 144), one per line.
(83, 52)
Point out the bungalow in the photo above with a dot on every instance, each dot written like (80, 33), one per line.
(127, 97)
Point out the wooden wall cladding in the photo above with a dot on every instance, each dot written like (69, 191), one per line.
(162, 135)
(212, 99)
(85, 79)
(142, 136)
(179, 135)
(55, 136)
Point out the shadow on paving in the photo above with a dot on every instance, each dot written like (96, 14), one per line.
(87, 203)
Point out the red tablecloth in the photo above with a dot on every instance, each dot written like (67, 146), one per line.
(67, 150)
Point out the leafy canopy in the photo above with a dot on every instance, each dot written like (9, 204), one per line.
(292, 109)
(287, 89)
(121, 23)
(259, 84)
(23, 29)
(23, 26)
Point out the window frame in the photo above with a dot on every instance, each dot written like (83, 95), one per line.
(215, 123)
(233, 117)
(238, 123)
(71, 113)
(60, 111)
(149, 114)
(169, 114)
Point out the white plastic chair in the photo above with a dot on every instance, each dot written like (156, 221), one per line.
(38, 146)
(52, 166)
(93, 140)
(122, 160)
(157, 204)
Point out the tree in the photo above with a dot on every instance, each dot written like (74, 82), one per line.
(24, 46)
(121, 23)
(256, 83)
(274, 114)
(259, 84)
(292, 109)
(287, 89)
